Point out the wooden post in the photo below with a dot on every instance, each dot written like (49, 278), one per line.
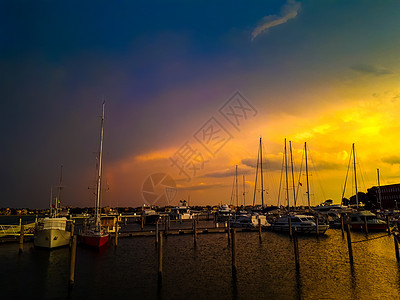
(259, 230)
(396, 248)
(116, 234)
(290, 227)
(142, 222)
(21, 239)
(296, 248)
(169, 222)
(194, 232)
(72, 263)
(234, 268)
(157, 232)
(365, 225)
(215, 220)
(342, 223)
(72, 233)
(349, 244)
(388, 224)
(229, 231)
(160, 254)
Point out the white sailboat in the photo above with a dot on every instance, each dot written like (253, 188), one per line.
(94, 234)
(53, 231)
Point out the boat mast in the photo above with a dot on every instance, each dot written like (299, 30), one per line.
(244, 192)
(99, 171)
(262, 179)
(237, 189)
(58, 201)
(287, 179)
(51, 202)
(379, 191)
(355, 174)
(291, 161)
(308, 186)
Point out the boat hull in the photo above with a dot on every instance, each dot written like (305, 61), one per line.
(52, 238)
(94, 240)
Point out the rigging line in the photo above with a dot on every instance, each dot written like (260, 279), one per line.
(370, 239)
(362, 170)
(292, 165)
(347, 175)
(316, 175)
(280, 181)
(233, 188)
(255, 182)
(298, 183)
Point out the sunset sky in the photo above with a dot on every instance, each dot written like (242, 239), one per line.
(172, 73)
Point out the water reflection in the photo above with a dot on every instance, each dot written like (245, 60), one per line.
(298, 284)
(234, 285)
(264, 270)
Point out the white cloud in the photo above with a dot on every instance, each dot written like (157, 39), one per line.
(288, 11)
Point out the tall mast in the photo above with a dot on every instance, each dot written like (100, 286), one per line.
(237, 189)
(379, 190)
(58, 201)
(291, 161)
(262, 179)
(287, 179)
(100, 170)
(51, 202)
(308, 186)
(244, 192)
(355, 174)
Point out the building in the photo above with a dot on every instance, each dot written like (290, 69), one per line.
(389, 195)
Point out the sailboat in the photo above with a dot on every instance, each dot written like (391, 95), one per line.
(361, 218)
(94, 234)
(53, 231)
(303, 223)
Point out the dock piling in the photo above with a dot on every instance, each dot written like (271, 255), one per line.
(388, 224)
(396, 248)
(157, 232)
(296, 248)
(21, 239)
(194, 232)
(233, 233)
(229, 231)
(160, 256)
(349, 244)
(72, 263)
(116, 234)
(365, 225)
(316, 226)
(259, 230)
(342, 223)
(290, 228)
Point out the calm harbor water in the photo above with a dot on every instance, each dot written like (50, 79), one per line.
(265, 270)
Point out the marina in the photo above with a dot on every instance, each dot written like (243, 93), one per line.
(265, 268)
(200, 150)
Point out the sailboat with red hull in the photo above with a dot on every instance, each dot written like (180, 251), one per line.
(94, 234)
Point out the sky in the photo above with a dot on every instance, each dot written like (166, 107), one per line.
(190, 87)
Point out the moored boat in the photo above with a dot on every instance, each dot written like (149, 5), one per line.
(361, 218)
(94, 234)
(302, 223)
(249, 221)
(52, 232)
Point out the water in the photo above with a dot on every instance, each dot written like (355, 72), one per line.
(265, 270)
